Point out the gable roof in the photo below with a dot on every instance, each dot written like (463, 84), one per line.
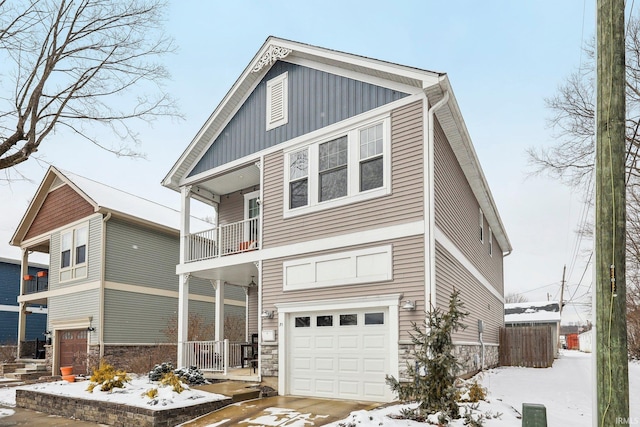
(104, 199)
(412, 80)
(532, 312)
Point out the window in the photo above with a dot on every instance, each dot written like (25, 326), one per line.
(73, 253)
(481, 226)
(277, 101)
(338, 168)
(324, 320)
(374, 318)
(303, 322)
(298, 178)
(333, 169)
(490, 242)
(348, 319)
(371, 165)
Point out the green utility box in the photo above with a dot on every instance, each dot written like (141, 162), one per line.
(534, 415)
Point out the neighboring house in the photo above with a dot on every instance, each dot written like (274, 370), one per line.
(35, 314)
(112, 287)
(544, 313)
(349, 190)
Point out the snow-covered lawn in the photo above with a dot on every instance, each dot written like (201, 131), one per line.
(132, 394)
(564, 389)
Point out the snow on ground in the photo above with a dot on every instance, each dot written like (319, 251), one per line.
(132, 394)
(564, 389)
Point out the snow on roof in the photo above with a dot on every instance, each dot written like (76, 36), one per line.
(536, 312)
(113, 199)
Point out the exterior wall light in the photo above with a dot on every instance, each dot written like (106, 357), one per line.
(266, 314)
(409, 305)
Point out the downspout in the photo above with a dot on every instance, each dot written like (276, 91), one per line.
(106, 218)
(429, 202)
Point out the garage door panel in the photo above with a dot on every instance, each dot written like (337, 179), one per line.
(325, 364)
(374, 342)
(340, 354)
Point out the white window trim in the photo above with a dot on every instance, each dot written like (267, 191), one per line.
(353, 166)
(73, 267)
(284, 119)
(490, 243)
(481, 225)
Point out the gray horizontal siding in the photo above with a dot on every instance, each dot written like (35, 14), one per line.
(408, 279)
(457, 213)
(139, 256)
(316, 99)
(479, 302)
(405, 204)
(141, 318)
(75, 306)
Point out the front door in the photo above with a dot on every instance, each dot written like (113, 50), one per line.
(73, 350)
(252, 210)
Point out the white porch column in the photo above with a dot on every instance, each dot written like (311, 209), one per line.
(183, 318)
(185, 217)
(22, 315)
(219, 287)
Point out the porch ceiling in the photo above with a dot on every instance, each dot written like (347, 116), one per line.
(239, 274)
(233, 181)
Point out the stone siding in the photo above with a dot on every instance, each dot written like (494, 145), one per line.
(113, 414)
(269, 360)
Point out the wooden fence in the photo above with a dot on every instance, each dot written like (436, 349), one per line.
(530, 346)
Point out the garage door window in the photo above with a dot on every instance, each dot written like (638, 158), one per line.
(374, 318)
(348, 319)
(303, 322)
(324, 321)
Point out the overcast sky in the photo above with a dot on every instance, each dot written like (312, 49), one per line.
(502, 57)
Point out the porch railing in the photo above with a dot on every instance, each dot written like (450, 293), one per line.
(213, 356)
(228, 239)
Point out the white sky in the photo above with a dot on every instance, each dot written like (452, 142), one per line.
(502, 58)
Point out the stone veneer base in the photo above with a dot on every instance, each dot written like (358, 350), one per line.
(114, 414)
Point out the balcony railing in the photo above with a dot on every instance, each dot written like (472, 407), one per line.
(34, 284)
(213, 356)
(224, 240)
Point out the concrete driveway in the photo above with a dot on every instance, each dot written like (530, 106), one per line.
(281, 411)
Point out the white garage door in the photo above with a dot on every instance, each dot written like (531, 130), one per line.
(341, 354)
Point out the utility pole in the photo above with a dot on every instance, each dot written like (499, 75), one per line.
(612, 369)
(564, 271)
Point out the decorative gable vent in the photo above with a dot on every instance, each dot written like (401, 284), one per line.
(277, 101)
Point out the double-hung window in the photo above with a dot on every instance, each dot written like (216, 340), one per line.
(338, 168)
(73, 253)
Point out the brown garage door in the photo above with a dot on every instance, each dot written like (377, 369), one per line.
(73, 349)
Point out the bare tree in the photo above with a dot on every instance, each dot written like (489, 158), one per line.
(513, 297)
(572, 158)
(72, 64)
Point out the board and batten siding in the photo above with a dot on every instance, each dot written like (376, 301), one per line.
(479, 302)
(408, 279)
(457, 213)
(316, 99)
(94, 256)
(403, 205)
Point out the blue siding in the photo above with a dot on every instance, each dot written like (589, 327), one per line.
(316, 99)
(9, 290)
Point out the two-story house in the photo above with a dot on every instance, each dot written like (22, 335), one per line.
(347, 188)
(112, 288)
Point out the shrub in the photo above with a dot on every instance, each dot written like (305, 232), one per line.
(151, 393)
(108, 378)
(160, 371)
(191, 376)
(435, 369)
(172, 380)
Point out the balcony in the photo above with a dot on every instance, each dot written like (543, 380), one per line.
(224, 240)
(37, 283)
